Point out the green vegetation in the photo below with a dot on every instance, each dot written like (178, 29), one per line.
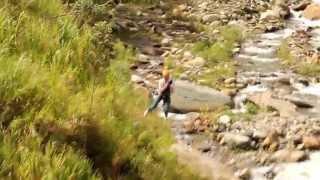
(251, 110)
(300, 66)
(67, 110)
(309, 69)
(219, 55)
(284, 53)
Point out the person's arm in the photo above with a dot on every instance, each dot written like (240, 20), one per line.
(172, 87)
(160, 85)
(166, 85)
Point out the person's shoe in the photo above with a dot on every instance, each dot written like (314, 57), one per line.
(145, 113)
(165, 116)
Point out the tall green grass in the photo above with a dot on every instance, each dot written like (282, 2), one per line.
(299, 65)
(218, 55)
(68, 111)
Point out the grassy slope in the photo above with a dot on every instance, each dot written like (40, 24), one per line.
(66, 112)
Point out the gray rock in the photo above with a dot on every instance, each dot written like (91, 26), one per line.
(235, 140)
(243, 174)
(209, 18)
(204, 147)
(265, 99)
(301, 6)
(188, 97)
(259, 134)
(166, 41)
(303, 100)
(188, 55)
(286, 155)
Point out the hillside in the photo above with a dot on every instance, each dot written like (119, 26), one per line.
(67, 110)
(77, 75)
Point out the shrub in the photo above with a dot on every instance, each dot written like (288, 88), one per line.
(65, 112)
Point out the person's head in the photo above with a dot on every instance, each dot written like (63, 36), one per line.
(165, 74)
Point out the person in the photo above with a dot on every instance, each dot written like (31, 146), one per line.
(165, 88)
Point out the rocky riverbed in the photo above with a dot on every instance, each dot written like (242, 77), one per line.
(268, 119)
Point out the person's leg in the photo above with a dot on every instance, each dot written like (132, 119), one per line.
(166, 106)
(153, 105)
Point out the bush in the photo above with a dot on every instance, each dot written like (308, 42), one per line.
(67, 114)
(218, 55)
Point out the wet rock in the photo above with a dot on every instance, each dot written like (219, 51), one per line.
(311, 142)
(286, 155)
(312, 12)
(265, 99)
(235, 140)
(303, 100)
(301, 6)
(189, 97)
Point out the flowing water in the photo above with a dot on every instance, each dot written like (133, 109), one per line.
(258, 60)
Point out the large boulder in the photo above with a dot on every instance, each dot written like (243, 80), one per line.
(303, 100)
(265, 100)
(235, 140)
(279, 12)
(286, 155)
(311, 142)
(301, 5)
(189, 97)
(312, 12)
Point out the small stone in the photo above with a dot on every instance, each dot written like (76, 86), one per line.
(225, 120)
(136, 79)
(235, 50)
(235, 140)
(271, 141)
(311, 142)
(259, 134)
(209, 18)
(229, 92)
(143, 59)
(230, 80)
(204, 147)
(139, 13)
(197, 62)
(189, 126)
(188, 55)
(301, 6)
(243, 174)
(166, 41)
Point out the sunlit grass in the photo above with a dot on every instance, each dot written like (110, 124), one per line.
(69, 111)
